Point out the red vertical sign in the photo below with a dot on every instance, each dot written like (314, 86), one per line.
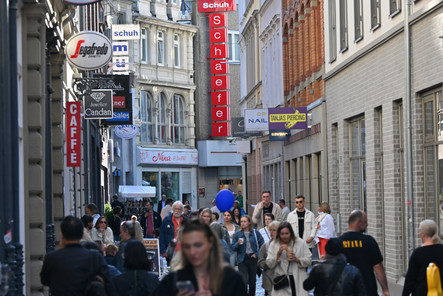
(73, 134)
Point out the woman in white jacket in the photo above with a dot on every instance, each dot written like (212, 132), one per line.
(288, 254)
(102, 232)
(325, 228)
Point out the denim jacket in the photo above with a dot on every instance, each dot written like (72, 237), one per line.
(241, 249)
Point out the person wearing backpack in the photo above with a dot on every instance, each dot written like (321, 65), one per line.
(136, 280)
(335, 276)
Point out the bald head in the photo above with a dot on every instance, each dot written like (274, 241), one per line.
(358, 221)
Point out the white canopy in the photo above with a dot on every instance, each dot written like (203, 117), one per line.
(129, 191)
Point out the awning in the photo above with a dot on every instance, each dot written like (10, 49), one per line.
(129, 191)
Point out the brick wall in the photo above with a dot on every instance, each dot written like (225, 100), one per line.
(303, 47)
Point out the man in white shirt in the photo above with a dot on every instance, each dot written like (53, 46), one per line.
(303, 221)
(284, 209)
(263, 207)
(167, 209)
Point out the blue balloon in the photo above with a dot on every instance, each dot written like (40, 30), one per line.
(224, 200)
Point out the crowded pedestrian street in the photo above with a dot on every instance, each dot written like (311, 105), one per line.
(221, 147)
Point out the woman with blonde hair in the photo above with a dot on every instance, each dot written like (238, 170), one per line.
(325, 228)
(101, 232)
(200, 269)
(268, 273)
(289, 256)
(247, 243)
(206, 215)
(430, 251)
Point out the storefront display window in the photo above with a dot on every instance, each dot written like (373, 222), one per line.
(151, 179)
(170, 185)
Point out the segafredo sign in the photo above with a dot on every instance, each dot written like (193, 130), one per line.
(88, 50)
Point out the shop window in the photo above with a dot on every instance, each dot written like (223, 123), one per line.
(170, 185)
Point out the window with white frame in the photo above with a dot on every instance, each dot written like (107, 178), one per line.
(357, 158)
(343, 26)
(146, 116)
(160, 48)
(332, 31)
(178, 120)
(394, 7)
(433, 158)
(144, 46)
(161, 119)
(176, 50)
(233, 48)
(375, 14)
(358, 20)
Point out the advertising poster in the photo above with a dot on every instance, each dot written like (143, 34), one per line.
(152, 247)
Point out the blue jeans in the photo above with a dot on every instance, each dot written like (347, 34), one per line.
(248, 268)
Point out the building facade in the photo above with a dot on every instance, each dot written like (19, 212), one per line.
(306, 152)
(383, 80)
(219, 164)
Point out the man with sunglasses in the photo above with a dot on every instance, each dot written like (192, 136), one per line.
(302, 221)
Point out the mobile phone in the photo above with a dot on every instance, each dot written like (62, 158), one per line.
(185, 286)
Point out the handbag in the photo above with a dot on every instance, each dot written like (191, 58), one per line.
(280, 282)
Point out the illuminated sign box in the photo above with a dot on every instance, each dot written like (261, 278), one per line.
(220, 113)
(221, 129)
(220, 82)
(220, 98)
(218, 20)
(216, 5)
(219, 67)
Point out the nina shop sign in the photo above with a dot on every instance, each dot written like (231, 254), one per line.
(88, 50)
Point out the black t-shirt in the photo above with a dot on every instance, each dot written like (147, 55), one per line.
(415, 281)
(301, 223)
(363, 252)
(267, 210)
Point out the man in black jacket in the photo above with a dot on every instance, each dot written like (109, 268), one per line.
(150, 220)
(69, 270)
(335, 276)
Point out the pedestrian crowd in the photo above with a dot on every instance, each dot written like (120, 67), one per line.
(209, 252)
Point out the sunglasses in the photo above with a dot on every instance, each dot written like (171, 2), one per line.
(297, 202)
(103, 222)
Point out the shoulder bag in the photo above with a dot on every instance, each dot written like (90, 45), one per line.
(259, 270)
(282, 281)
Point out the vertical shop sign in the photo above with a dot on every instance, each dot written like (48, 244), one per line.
(218, 48)
(73, 134)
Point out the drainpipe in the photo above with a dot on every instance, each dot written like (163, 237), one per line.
(410, 193)
(17, 249)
